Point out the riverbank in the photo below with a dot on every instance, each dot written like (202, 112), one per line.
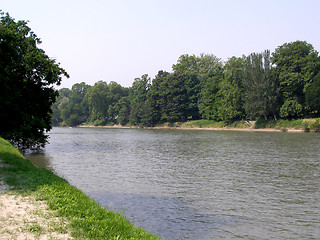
(199, 128)
(300, 125)
(40, 191)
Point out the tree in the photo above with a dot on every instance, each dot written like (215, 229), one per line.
(74, 108)
(118, 102)
(260, 86)
(296, 65)
(196, 71)
(156, 97)
(175, 99)
(138, 94)
(210, 98)
(313, 95)
(59, 105)
(97, 97)
(27, 78)
(122, 110)
(231, 90)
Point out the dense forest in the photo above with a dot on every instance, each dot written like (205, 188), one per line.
(283, 84)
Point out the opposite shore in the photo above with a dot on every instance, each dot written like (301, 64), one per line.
(304, 125)
(198, 128)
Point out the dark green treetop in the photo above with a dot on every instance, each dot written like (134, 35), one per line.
(296, 65)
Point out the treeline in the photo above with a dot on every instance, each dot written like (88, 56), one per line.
(283, 84)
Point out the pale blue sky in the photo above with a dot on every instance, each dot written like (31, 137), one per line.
(120, 40)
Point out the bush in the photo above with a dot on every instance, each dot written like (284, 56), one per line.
(315, 125)
(262, 123)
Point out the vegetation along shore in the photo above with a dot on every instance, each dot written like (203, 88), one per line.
(58, 210)
(299, 125)
(284, 84)
(202, 92)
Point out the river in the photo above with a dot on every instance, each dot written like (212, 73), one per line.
(193, 184)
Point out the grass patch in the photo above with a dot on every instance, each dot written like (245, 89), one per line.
(35, 228)
(262, 123)
(214, 124)
(312, 124)
(284, 124)
(88, 220)
(99, 122)
(293, 124)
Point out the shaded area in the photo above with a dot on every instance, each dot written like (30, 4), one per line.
(173, 218)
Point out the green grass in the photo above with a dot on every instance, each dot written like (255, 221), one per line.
(87, 219)
(283, 124)
(100, 122)
(214, 124)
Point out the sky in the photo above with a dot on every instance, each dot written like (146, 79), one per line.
(121, 40)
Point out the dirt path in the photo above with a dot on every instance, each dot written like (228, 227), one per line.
(22, 217)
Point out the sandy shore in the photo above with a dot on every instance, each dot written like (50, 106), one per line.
(22, 217)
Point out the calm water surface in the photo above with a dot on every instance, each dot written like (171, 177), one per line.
(185, 184)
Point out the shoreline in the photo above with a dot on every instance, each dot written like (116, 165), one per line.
(249, 129)
(75, 214)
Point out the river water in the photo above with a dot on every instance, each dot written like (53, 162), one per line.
(191, 184)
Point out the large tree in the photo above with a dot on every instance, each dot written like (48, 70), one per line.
(27, 78)
(74, 108)
(297, 63)
(98, 100)
(231, 102)
(156, 97)
(167, 99)
(260, 84)
(196, 72)
(313, 95)
(139, 114)
(209, 102)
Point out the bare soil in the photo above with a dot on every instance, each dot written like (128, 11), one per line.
(22, 217)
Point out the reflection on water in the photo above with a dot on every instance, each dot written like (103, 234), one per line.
(40, 159)
(197, 184)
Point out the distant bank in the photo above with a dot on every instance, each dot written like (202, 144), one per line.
(299, 125)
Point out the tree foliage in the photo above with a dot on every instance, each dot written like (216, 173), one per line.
(261, 85)
(27, 77)
(283, 84)
(231, 90)
(297, 63)
(72, 107)
(313, 95)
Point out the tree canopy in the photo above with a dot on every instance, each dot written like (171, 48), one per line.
(282, 84)
(297, 63)
(27, 78)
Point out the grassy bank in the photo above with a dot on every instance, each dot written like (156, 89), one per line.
(86, 218)
(214, 124)
(283, 125)
(305, 125)
(297, 124)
